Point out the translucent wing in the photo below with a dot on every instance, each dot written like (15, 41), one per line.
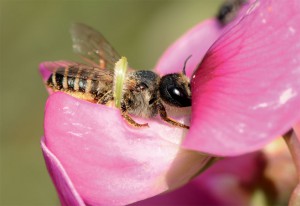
(73, 69)
(93, 47)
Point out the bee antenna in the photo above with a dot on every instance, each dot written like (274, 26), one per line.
(183, 70)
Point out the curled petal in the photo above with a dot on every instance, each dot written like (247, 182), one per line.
(65, 188)
(109, 162)
(246, 91)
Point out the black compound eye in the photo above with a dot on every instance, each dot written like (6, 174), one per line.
(179, 96)
(174, 92)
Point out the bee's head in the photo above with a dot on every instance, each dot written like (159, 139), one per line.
(175, 90)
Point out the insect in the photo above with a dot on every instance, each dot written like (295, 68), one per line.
(229, 10)
(144, 92)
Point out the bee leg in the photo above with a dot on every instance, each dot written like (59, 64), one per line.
(132, 122)
(163, 114)
(108, 96)
(129, 120)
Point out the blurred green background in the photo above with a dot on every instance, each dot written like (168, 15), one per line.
(35, 31)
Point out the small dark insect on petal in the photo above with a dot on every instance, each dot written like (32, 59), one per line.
(229, 10)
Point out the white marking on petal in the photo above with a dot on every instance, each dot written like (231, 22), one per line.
(286, 96)
(67, 110)
(260, 105)
(75, 134)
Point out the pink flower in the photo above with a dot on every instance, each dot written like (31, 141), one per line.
(238, 181)
(218, 185)
(248, 84)
(244, 93)
(106, 161)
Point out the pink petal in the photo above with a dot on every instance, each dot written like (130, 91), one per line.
(109, 162)
(195, 42)
(234, 180)
(225, 183)
(246, 91)
(66, 191)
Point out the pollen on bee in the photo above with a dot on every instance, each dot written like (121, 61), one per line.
(102, 64)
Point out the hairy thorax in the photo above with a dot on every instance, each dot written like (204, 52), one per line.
(138, 104)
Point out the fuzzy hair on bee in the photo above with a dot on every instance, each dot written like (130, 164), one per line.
(143, 93)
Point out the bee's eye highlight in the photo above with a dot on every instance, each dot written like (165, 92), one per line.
(178, 96)
(175, 92)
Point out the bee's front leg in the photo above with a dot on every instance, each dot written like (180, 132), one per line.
(163, 114)
(129, 120)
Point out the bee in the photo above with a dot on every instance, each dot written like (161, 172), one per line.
(229, 10)
(144, 92)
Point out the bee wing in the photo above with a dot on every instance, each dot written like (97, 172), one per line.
(93, 47)
(74, 69)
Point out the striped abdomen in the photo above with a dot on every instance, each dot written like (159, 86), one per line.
(81, 81)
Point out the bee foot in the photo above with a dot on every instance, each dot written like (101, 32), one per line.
(131, 122)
